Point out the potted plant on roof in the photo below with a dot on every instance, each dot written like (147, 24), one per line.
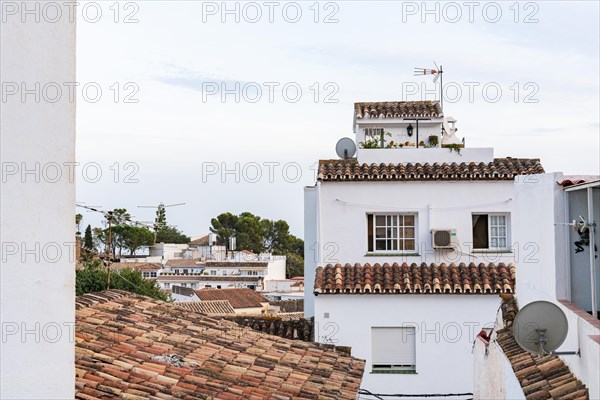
(433, 141)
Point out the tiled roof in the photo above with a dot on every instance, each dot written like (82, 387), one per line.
(189, 263)
(541, 377)
(207, 278)
(287, 306)
(134, 347)
(239, 298)
(289, 328)
(398, 109)
(201, 241)
(138, 266)
(499, 169)
(236, 264)
(570, 180)
(208, 307)
(424, 278)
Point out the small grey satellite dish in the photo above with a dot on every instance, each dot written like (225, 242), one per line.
(541, 327)
(345, 148)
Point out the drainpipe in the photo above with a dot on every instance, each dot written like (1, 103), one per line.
(592, 227)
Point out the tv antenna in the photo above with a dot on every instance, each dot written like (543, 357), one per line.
(156, 225)
(110, 218)
(345, 148)
(541, 327)
(437, 72)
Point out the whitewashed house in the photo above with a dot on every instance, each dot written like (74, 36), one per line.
(410, 247)
(561, 267)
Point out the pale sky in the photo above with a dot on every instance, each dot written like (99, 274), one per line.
(546, 68)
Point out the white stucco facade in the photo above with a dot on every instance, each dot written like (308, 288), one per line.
(445, 327)
(553, 272)
(37, 274)
(336, 220)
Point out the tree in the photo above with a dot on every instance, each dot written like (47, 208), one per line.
(294, 265)
(258, 235)
(93, 278)
(88, 241)
(225, 227)
(170, 234)
(134, 237)
(250, 233)
(160, 222)
(78, 218)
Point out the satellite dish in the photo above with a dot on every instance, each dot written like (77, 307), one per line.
(540, 327)
(345, 148)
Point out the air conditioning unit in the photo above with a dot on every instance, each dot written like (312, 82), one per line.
(444, 238)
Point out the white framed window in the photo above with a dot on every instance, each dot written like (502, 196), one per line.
(153, 274)
(167, 285)
(490, 230)
(393, 349)
(146, 274)
(394, 233)
(213, 272)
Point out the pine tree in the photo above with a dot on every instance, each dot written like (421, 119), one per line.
(88, 242)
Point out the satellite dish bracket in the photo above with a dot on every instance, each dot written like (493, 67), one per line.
(542, 339)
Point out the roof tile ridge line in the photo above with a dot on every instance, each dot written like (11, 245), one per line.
(94, 298)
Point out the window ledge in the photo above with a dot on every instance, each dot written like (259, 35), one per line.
(491, 251)
(395, 372)
(378, 254)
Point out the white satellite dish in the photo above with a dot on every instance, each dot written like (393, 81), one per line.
(541, 327)
(345, 148)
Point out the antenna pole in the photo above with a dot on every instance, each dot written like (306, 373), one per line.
(109, 250)
(442, 87)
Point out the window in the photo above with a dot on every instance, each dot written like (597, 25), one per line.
(213, 272)
(490, 231)
(391, 232)
(393, 349)
(167, 285)
(184, 284)
(193, 285)
(146, 274)
(153, 274)
(184, 271)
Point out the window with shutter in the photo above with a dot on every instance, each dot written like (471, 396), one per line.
(393, 348)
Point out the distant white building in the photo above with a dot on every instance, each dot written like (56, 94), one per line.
(410, 246)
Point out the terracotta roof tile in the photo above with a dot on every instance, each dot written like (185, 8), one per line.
(134, 347)
(423, 278)
(541, 377)
(499, 169)
(208, 307)
(397, 109)
(238, 298)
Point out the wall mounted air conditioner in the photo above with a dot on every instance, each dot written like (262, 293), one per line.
(444, 238)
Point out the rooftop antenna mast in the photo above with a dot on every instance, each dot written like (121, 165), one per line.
(157, 225)
(109, 215)
(438, 75)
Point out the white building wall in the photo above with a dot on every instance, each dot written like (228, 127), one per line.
(446, 326)
(311, 245)
(275, 269)
(493, 376)
(543, 272)
(37, 273)
(438, 205)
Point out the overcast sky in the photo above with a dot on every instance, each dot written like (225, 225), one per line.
(174, 143)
